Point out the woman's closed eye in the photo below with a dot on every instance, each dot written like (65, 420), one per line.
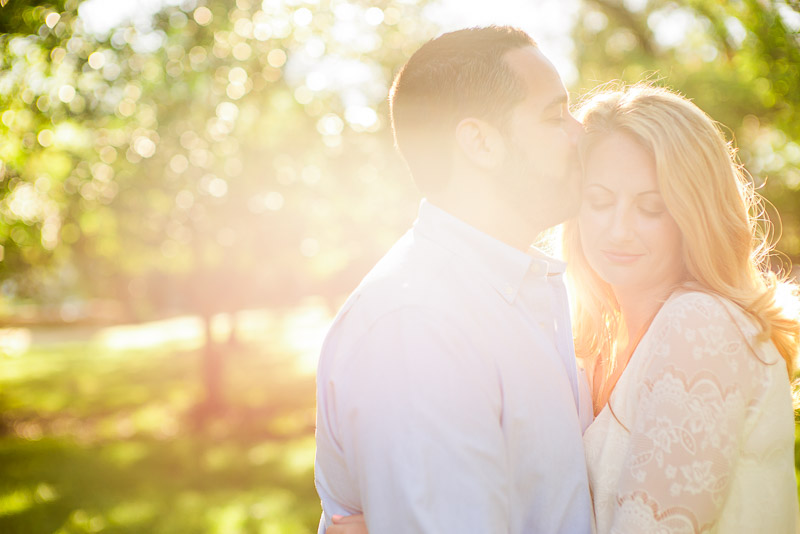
(598, 200)
(600, 206)
(652, 209)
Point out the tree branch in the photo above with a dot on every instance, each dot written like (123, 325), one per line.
(629, 20)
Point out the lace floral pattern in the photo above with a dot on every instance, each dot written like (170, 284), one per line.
(685, 449)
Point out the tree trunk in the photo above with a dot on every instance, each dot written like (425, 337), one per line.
(212, 371)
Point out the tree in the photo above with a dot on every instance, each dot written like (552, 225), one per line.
(739, 61)
(213, 158)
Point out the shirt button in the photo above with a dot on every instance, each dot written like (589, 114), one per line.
(508, 290)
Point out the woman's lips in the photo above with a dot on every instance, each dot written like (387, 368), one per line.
(615, 256)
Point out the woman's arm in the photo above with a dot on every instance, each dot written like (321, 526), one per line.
(686, 418)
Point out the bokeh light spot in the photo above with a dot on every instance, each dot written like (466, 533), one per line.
(273, 201)
(52, 19)
(237, 75)
(66, 93)
(316, 81)
(45, 137)
(178, 163)
(144, 146)
(203, 16)
(96, 60)
(235, 91)
(303, 16)
(276, 58)
(242, 51)
(262, 31)
(330, 124)
(309, 247)
(374, 16)
(303, 95)
(217, 187)
(184, 199)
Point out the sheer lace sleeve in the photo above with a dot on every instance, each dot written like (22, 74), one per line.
(688, 415)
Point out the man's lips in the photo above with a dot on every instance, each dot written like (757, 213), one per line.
(616, 256)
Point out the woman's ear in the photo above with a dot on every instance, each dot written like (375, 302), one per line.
(481, 143)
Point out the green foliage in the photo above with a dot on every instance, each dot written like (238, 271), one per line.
(739, 61)
(222, 156)
(232, 154)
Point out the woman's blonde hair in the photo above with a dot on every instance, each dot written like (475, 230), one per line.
(709, 194)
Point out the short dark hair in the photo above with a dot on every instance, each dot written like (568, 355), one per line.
(454, 76)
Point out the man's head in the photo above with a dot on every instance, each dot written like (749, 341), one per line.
(457, 75)
(486, 100)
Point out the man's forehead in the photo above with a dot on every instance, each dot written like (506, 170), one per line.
(538, 74)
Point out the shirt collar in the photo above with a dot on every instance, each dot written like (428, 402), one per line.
(501, 265)
(544, 265)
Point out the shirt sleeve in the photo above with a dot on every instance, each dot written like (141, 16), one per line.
(418, 410)
(686, 419)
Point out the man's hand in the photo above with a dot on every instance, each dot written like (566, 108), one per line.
(348, 524)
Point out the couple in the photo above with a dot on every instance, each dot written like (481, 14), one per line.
(449, 398)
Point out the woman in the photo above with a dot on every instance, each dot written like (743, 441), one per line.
(678, 320)
(680, 326)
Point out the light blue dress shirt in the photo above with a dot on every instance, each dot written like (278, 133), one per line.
(448, 398)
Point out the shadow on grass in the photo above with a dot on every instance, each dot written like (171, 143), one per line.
(93, 443)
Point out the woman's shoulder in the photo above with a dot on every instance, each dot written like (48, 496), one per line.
(684, 299)
(698, 326)
(696, 308)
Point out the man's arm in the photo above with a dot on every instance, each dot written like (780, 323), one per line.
(418, 412)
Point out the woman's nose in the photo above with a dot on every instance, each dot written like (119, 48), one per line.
(620, 229)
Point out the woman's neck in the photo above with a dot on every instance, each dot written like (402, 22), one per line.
(639, 306)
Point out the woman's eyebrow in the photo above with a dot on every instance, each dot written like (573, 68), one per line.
(600, 186)
(604, 188)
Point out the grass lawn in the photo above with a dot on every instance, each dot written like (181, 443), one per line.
(94, 439)
(99, 440)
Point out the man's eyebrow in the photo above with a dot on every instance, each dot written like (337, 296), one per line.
(557, 102)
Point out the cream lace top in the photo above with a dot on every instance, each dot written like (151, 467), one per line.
(709, 444)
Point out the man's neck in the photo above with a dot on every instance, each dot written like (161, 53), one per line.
(481, 208)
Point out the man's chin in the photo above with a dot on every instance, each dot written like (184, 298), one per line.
(572, 203)
(571, 197)
(564, 203)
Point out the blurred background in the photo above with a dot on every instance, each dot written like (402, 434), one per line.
(190, 188)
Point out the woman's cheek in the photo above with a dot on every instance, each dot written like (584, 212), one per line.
(590, 223)
(588, 227)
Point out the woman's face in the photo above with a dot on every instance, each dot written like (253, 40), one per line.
(627, 234)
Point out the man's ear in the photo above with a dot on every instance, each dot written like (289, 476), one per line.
(481, 143)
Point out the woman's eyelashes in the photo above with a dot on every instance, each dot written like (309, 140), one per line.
(601, 201)
(652, 205)
(600, 206)
(598, 200)
(652, 212)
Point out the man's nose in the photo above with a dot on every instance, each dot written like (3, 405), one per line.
(574, 128)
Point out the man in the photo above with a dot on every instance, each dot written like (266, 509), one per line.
(448, 398)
